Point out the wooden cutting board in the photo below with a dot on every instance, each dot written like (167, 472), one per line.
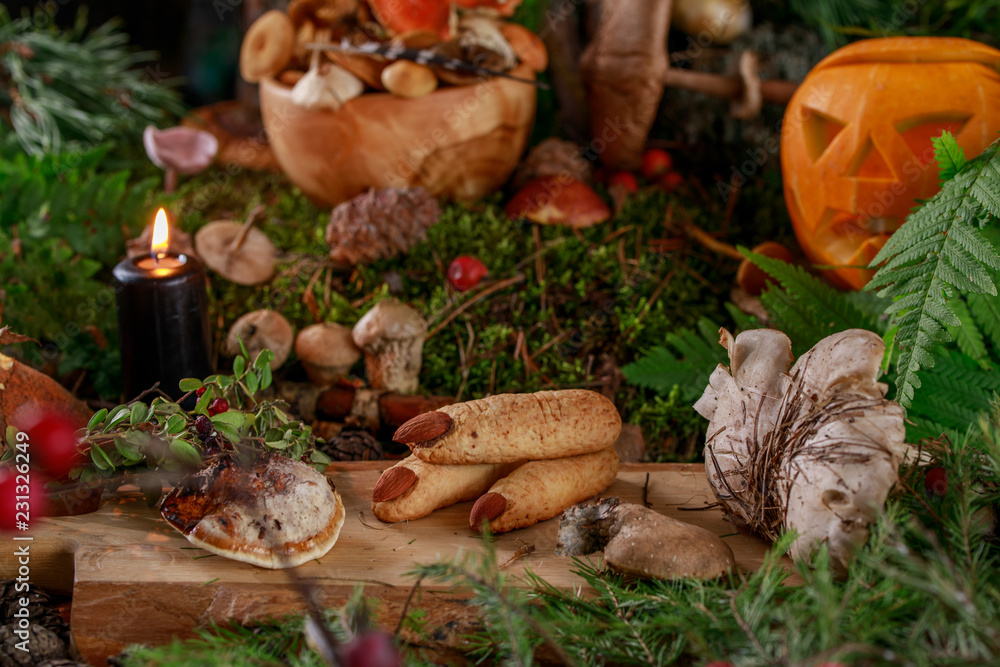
(136, 580)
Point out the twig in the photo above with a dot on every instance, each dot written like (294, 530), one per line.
(743, 624)
(489, 291)
(406, 607)
(704, 238)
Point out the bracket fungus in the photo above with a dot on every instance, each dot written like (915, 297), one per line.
(392, 337)
(813, 446)
(327, 352)
(262, 330)
(238, 252)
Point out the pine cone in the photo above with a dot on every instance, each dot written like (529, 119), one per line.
(353, 445)
(41, 609)
(380, 224)
(553, 157)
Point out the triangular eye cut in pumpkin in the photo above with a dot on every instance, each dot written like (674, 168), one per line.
(819, 130)
(918, 131)
(869, 163)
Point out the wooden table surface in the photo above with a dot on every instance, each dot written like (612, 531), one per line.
(134, 579)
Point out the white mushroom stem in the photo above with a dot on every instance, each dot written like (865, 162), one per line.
(326, 87)
(392, 336)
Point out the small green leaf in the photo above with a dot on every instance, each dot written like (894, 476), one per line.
(265, 376)
(100, 458)
(176, 424)
(227, 431)
(185, 452)
(243, 349)
(263, 360)
(120, 414)
(279, 444)
(239, 365)
(317, 456)
(190, 384)
(128, 451)
(273, 435)
(202, 405)
(96, 420)
(253, 384)
(233, 418)
(11, 436)
(139, 413)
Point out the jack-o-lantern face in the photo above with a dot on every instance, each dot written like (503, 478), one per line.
(856, 141)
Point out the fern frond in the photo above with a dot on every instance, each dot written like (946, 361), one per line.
(937, 251)
(985, 311)
(686, 361)
(949, 155)
(955, 393)
(967, 336)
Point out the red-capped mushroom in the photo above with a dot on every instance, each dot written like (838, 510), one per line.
(558, 200)
(402, 16)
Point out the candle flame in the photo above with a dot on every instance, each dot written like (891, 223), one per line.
(160, 243)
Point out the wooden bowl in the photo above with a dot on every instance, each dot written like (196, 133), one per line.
(460, 142)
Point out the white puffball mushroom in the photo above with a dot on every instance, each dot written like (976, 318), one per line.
(327, 352)
(392, 337)
(261, 330)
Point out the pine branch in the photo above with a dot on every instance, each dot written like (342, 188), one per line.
(937, 251)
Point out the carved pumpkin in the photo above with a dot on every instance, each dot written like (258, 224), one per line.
(856, 141)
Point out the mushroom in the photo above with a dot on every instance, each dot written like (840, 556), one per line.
(325, 86)
(408, 79)
(641, 542)
(261, 330)
(501, 7)
(558, 200)
(267, 47)
(721, 20)
(392, 337)
(402, 16)
(749, 277)
(327, 351)
(751, 98)
(179, 149)
(528, 46)
(482, 31)
(238, 253)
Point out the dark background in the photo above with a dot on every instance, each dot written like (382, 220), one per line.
(196, 39)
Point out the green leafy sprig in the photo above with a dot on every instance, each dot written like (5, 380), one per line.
(162, 436)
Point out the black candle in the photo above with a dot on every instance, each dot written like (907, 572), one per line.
(162, 321)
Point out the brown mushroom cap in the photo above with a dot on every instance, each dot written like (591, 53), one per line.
(274, 513)
(267, 47)
(721, 20)
(408, 79)
(261, 330)
(558, 200)
(749, 277)
(321, 13)
(327, 351)
(251, 263)
(389, 319)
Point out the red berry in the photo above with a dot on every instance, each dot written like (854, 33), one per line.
(670, 181)
(12, 491)
(372, 649)
(656, 162)
(218, 406)
(720, 663)
(936, 481)
(203, 425)
(52, 444)
(200, 391)
(465, 272)
(626, 180)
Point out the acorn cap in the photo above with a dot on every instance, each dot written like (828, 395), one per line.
(327, 351)
(267, 46)
(261, 330)
(246, 261)
(389, 319)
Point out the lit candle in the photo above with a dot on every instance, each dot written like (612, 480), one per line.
(162, 317)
